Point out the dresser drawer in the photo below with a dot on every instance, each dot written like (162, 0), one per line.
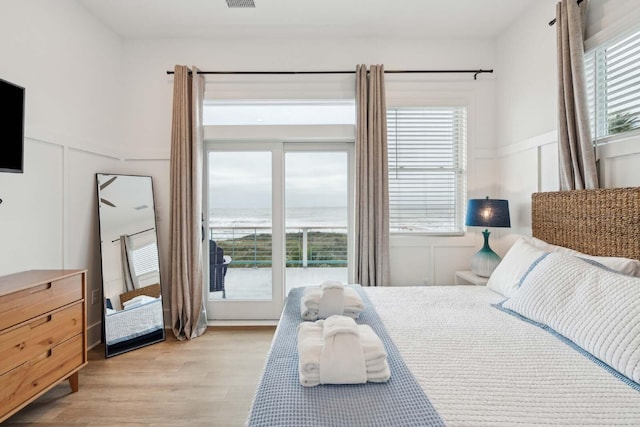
(35, 337)
(27, 380)
(26, 304)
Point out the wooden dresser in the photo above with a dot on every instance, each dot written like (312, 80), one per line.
(43, 330)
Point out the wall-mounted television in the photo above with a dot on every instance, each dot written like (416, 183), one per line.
(11, 127)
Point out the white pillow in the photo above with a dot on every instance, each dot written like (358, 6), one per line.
(136, 301)
(505, 278)
(596, 308)
(619, 264)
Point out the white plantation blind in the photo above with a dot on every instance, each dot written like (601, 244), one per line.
(427, 176)
(145, 259)
(613, 86)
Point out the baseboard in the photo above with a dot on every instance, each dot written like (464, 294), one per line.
(94, 335)
(241, 323)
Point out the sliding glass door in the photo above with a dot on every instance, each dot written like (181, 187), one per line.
(316, 216)
(279, 216)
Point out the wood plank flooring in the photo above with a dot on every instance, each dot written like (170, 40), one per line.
(208, 381)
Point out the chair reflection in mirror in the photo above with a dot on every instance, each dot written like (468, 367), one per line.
(133, 313)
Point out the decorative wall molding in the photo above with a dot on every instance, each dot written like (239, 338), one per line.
(35, 134)
(527, 144)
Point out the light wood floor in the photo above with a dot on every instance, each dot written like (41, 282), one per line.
(208, 381)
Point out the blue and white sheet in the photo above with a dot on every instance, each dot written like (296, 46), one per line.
(281, 401)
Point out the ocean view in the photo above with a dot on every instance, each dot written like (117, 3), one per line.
(295, 217)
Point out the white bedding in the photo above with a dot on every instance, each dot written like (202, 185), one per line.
(480, 366)
(128, 324)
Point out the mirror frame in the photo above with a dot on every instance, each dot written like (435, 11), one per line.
(137, 342)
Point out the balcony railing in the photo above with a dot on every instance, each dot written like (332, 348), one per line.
(319, 246)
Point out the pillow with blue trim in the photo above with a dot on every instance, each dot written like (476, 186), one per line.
(619, 264)
(596, 308)
(505, 278)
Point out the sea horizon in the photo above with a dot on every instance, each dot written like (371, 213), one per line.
(307, 217)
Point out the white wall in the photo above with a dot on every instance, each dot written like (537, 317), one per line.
(414, 260)
(70, 65)
(526, 64)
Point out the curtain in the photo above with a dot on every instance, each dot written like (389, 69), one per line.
(187, 296)
(129, 278)
(372, 179)
(575, 150)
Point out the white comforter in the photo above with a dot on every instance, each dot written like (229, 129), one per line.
(482, 367)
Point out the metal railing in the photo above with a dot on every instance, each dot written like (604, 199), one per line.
(314, 246)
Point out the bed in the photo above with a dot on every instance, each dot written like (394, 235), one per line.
(139, 321)
(476, 363)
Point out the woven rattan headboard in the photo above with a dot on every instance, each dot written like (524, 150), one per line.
(603, 222)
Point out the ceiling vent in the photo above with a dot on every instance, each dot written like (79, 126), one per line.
(241, 3)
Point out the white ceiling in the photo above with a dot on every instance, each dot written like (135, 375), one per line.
(150, 19)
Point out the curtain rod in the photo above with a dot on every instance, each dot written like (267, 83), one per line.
(553, 21)
(475, 72)
(133, 234)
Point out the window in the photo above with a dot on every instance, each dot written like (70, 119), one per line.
(145, 259)
(613, 86)
(279, 112)
(427, 176)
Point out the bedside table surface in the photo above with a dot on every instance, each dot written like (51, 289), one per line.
(469, 277)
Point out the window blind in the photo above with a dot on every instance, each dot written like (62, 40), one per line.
(145, 259)
(427, 177)
(613, 86)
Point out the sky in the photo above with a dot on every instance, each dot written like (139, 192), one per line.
(243, 179)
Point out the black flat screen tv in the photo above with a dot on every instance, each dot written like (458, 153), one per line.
(11, 127)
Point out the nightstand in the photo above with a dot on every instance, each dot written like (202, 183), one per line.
(467, 277)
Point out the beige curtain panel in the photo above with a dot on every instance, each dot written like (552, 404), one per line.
(575, 150)
(372, 178)
(129, 279)
(187, 300)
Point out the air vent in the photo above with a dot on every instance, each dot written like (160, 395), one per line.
(241, 3)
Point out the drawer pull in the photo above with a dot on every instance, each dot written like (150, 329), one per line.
(40, 322)
(40, 288)
(47, 354)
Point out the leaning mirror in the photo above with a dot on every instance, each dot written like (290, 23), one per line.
(133, 315)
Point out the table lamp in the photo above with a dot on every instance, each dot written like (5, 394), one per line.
(486, 213)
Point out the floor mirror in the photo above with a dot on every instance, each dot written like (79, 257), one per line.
(131, 287)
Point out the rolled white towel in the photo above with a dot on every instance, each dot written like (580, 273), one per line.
(310, 342)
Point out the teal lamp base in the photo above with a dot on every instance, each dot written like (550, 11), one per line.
(485, 260)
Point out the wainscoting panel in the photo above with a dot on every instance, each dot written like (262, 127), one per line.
(449, 259)
(31, 214)
(619, 163)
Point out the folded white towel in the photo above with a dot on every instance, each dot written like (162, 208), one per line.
(331, 284)
(310, 303)
(331, 301)
(373, 349)
(341, 358)
(311, 343)
(335, 325)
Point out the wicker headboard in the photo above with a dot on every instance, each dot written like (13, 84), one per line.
(603, 222)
